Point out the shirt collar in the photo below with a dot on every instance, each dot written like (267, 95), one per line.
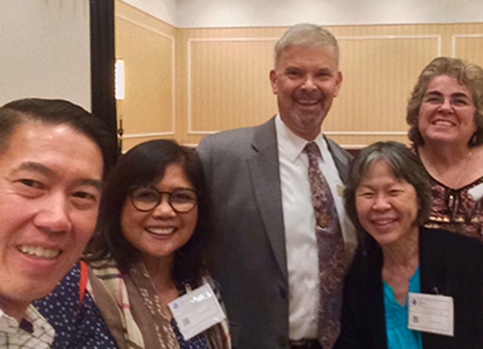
(33, 323)
(7, 323)
(293, 145)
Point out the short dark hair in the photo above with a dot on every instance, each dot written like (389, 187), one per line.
(469, 75)
(58, 112)
(404, 164)
(143, 164)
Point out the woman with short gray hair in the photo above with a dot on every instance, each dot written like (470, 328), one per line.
(388, 198)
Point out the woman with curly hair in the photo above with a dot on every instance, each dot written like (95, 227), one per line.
(445, 115)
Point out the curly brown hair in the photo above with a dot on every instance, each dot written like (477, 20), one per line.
(467, 74)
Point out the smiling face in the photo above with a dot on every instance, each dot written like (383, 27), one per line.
(157, 234)
(50, 179)
(386, 207)
(305, 80)
(447, 112)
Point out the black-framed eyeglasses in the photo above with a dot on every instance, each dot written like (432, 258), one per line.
(147, 198)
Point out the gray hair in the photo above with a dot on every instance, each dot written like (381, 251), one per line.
(467, 74)
(404, 164)
(305, 34)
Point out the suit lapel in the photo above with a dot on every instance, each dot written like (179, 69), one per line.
(341, 159)
(265, 179)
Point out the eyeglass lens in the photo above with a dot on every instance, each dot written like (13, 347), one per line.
(146, 199)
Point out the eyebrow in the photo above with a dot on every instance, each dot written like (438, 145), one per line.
(35, 167)
(46, 171)
(456, 94)
(96, 183)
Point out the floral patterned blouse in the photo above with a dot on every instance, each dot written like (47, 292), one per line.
(456, 209)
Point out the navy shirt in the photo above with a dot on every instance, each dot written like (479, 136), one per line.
(81, 326)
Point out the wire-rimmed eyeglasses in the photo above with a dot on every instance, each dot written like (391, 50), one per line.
(147, 198)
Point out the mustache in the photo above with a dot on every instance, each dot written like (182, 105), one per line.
(309, 95)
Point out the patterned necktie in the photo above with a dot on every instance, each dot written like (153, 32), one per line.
(330, 251)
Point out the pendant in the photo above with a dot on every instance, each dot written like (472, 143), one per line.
(323, 219)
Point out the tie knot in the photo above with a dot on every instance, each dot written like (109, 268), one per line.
(312, 149)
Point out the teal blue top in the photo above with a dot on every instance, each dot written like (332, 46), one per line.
(399, 336)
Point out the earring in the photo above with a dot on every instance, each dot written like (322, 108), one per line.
(474, 138)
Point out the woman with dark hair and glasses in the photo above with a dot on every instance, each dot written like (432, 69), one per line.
(148, 250)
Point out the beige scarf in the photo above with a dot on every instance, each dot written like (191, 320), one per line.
(133, 313)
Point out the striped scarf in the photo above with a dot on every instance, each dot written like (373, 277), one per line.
(131, 308)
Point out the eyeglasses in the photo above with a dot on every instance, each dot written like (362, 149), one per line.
(147, 198)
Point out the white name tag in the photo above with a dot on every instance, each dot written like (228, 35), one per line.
(431, 313)
(196, 311)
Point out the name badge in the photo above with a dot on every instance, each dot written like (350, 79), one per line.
(196, 311)
(431, 313)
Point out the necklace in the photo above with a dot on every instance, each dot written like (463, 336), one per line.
(442, 176)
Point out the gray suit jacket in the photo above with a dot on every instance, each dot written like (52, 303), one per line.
(242, 172)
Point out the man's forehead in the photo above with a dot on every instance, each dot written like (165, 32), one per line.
(32, 143)
(294, 52)
(31, 129)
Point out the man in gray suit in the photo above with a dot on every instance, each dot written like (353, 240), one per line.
(267, 259)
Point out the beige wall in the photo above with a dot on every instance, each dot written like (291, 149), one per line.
(45, 50)
(186, 83)
(147, 47)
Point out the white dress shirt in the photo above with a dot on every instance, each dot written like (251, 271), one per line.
(39, 335)
(299, 223)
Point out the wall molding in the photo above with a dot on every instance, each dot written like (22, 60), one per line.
(149, 134)
(455, 37)
(189, 84)
(173, 77)
(191, 131)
